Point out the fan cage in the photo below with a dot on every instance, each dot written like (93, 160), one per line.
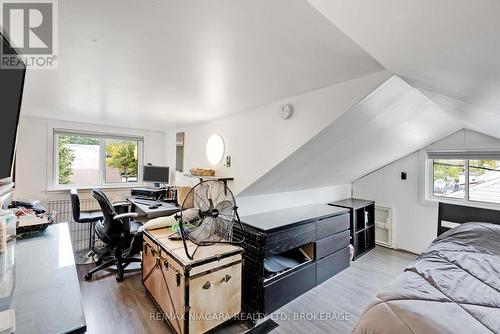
(217, 211)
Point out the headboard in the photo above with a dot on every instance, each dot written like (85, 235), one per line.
(460, 214)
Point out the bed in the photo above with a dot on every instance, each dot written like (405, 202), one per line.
(452, 287)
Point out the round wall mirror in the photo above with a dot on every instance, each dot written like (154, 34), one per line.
(215, 149)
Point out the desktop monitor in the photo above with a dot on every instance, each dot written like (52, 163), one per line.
(156, 174)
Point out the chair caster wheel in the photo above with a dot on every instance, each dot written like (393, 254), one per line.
(119, 278)
(88, 277)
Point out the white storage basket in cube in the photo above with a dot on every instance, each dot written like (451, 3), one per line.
(383, 226)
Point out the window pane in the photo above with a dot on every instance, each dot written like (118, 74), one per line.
(122, 164)
(484, 180)
(449, 178)
(78, 160)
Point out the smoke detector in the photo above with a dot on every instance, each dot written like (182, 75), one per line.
(286, 111)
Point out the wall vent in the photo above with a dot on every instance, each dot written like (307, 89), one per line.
(383, 226)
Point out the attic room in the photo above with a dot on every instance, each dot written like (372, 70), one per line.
(278, 166)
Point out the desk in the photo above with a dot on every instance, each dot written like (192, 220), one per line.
(166, 209)
(39, 281)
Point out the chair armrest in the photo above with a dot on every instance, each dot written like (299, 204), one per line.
(126, 215)
(122, 203)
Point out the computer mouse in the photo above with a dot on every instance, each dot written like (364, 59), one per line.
(154, 206)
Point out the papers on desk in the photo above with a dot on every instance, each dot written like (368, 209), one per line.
(31, 220)
(31, 223)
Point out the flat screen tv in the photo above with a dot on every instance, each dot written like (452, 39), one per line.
(11, 92)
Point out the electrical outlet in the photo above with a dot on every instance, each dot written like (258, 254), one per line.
(403, 175)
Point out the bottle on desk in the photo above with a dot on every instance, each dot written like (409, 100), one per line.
(10, 222)
(7, 228)
(3, 232)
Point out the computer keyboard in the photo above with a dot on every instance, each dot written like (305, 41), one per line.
(148, 202)
(152, 202)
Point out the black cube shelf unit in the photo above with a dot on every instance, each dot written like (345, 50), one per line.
(362, 224)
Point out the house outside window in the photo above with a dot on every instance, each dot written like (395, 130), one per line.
(96, 160)
(470, 180)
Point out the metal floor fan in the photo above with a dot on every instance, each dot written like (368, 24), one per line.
(217, 213)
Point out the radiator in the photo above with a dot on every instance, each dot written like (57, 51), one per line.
(383, 226)
(79, 232)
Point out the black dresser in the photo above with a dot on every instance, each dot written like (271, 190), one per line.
(316, 237)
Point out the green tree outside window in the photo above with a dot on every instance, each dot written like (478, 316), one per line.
(122, 156)
(66, 158)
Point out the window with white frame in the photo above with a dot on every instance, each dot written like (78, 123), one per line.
(476, 180)
(93, 159)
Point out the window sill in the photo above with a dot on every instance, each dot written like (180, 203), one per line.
(89, 188)
(483, 205)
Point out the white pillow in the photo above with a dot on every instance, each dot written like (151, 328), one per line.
(188, 215)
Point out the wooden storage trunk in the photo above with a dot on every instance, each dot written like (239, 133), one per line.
(197, 295)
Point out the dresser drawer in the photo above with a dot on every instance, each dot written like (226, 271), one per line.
(329, 226)
(282, 241)
(289, 287)
(332, 265)
(330, 245)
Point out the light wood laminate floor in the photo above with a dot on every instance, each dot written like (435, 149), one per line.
(125, 307)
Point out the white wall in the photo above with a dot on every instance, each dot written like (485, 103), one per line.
(393, 121)
(170, 149)
(259, 139)
(34, 154)
(415, 224)
(249, 205)
(415, 219)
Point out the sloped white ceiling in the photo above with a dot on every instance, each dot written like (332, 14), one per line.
(172, 63)
(449, 49)
(476, 117)
(393, 121)
(160, 64)
(257, 141)
(466, 139)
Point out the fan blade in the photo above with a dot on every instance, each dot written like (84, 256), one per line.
(201, 203)
(225, 207)
(224, 227)
(203, 231)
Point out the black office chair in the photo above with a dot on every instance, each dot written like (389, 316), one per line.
(120, 235)
(85, 217)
